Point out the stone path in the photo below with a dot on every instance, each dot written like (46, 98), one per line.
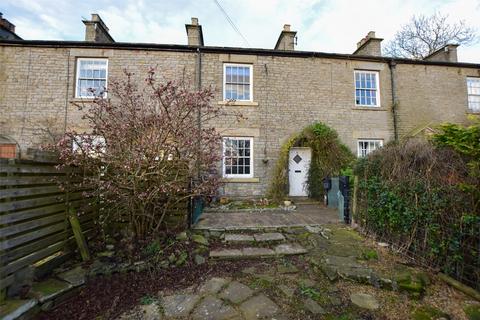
(217, 299)
(267, 245)
(258, 237)
(255, 252)
(304, 215)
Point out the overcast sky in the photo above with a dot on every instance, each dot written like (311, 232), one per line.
(322, 25)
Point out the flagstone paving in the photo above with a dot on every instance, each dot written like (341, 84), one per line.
(304, 215)
(332, 278)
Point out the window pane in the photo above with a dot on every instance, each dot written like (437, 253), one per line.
(247, 75)
(374, 81)
(247, 93)
(228, 74)
(474, 103)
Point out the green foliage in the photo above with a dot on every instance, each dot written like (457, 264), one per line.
(148, 299)
(329, 157)
(369, 254)
(419, 195)
(472, 311)
(311, 293)
(279, 185)
(464, 140)
(152, 248)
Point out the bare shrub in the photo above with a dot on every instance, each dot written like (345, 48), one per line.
(145, 145)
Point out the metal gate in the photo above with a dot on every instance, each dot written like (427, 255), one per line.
(344, 186)
(338, 196)
(196, 206)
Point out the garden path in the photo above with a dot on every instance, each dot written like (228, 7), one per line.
(305, 215)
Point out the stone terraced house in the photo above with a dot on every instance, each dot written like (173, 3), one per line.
(367, 98)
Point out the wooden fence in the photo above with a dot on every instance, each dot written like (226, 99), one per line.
(34, 223)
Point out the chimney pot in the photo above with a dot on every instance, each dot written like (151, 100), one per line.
(286, 27)
(371, 34)
(194, 21)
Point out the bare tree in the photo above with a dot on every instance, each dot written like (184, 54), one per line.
(424, 35)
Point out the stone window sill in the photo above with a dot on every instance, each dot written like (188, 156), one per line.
(370, 108)
(86, 100)
(241, 180)
(473, 112)
(238, 103)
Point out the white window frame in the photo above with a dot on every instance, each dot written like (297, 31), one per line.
(377, 91)
(225, 65)
(244, 175)
(359, 151)
(77, 75)
(476, 79)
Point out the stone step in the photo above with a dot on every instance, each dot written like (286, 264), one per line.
(285, 249)
(257, 237)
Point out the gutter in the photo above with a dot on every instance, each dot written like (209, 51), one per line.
(392, 66)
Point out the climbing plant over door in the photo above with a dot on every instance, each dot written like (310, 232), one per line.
(329, 156)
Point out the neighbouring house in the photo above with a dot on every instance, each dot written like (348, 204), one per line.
(367, 98)
(7, 29)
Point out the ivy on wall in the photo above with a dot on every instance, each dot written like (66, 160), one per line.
(329, 157)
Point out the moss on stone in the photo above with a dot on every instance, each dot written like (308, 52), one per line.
(428, 313)
(412, 283)
(49, 288)
(472, 311)
(345, 235)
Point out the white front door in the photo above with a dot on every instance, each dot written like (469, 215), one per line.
(298, 165)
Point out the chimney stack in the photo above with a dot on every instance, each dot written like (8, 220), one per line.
(286, 40)
(96, 30)
(194, 33)
(369, 46)
(7, 29)
(447, 53)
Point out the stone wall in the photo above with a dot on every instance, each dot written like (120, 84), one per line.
(37, 87)
(429, 95)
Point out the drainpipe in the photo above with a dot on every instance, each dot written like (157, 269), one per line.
(198, 72)
(65, 119)
(392, 65)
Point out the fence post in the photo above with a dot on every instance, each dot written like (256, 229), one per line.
(77, 232)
